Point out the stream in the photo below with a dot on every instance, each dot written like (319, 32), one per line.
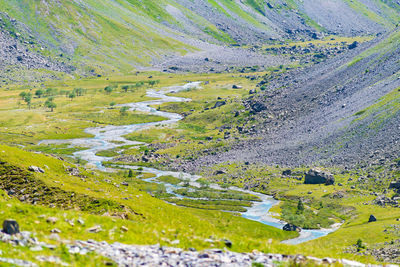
(110, 137)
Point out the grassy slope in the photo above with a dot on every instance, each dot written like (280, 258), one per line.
(121, 35)
(104, 35)
(190, 226)
(350, 207)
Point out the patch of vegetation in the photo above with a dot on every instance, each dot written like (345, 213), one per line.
(169, 179)
(216, 194)
(121, 117)
(226, 205)
(306, 218)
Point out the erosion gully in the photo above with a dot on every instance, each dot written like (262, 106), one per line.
(110, 137)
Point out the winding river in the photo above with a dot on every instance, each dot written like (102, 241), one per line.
(110, 137)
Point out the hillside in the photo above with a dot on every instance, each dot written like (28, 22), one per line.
(199, 133)
(104, 37)
(344, 111)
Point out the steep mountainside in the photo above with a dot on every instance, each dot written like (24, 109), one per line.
(123, 35)
(343, 112)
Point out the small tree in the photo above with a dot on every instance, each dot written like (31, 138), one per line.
(108, 89)
(300, 206)
(154, 82)
(39, 93)
(139, 84)
(359, 245)
(78, 91)
(22, 95)
(124, 111)
(72, 95)
(112, 104)
(125, 88)
(50, 104)
(28, 99)
(51, 92)
(130, 174)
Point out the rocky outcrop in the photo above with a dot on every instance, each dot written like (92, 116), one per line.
(318, 176)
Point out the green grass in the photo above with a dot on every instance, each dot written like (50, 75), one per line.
(104, 198)
(226, 205)
(217, 194)
(60, 149)
(169, 179)
(147, 216)
(386, 107)
(114, 117)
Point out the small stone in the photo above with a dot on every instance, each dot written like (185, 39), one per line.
(80, 221)
(228, 243)
(95, 229)
(175, 242)
(52, 220)
(36, 248)
(10, 227)
(124, 228)
(55, 231)
(54, 237)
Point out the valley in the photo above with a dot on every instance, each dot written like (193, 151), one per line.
(199, 133)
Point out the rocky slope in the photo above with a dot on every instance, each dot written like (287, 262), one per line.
(120, 36)
(342, 111)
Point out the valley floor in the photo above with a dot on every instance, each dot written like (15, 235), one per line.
(123, 206)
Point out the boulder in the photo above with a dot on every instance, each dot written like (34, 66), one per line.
(219, 104)
(353, 45)
(372, 218)
(257, 107)
(394, 185)
(291, 227)
(318, 176)
(10, 227)
(228, 243)
(35, 169)
(219, 172)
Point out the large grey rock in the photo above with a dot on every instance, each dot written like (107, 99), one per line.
(35, 169)
(318, 176)
(291, 227)
(10, 227)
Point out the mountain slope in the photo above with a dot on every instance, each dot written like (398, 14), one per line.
(345, 111)
(123, 35)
